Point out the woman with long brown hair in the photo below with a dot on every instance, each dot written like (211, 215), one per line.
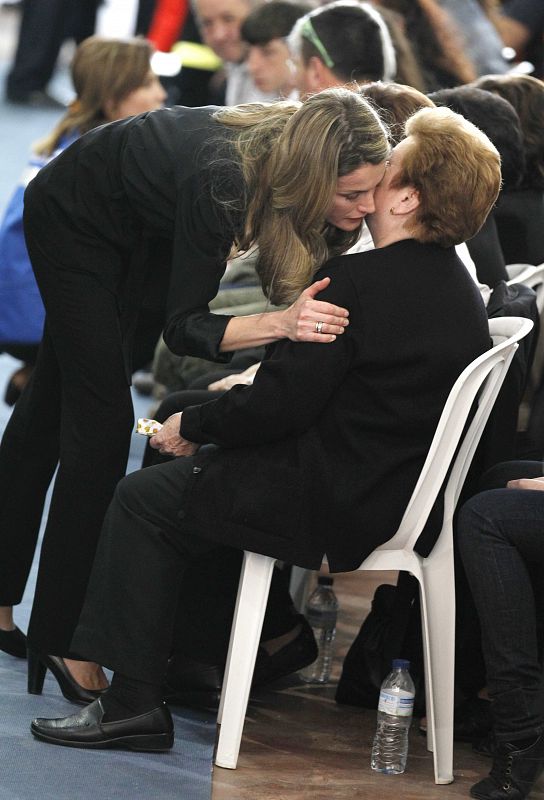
(132, 215)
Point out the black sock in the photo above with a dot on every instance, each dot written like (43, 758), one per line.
(128, 697)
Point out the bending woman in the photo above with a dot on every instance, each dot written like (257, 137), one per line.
(113, 79)
(321, 454)
(131, 214)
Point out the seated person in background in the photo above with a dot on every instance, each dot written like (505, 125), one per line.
(112, 79)
(520, 211)
(268, 59)
(500, 538)
(521, 26)
(499, 120)
(320, 455)
(339, 43)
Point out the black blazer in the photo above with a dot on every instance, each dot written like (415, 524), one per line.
(131, 203)
(321, 454)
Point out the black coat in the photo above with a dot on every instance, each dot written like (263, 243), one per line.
(132, 204)
(321, 454)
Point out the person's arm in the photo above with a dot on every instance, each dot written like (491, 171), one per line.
(291, 389)
(297, 323)
(199, 261)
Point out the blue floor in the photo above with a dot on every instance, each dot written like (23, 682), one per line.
(32, 770)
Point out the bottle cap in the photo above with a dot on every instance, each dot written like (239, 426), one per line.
(325, 580)
(400, 663)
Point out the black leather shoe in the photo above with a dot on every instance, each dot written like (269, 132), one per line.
(513, 773)
(150, 732)
(293, 656)
(198, 685)
(13, 642)
(38, 664)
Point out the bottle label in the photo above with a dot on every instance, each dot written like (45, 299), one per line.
(321, 619)
(400, 704)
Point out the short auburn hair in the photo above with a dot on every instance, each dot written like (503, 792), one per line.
(456, 171)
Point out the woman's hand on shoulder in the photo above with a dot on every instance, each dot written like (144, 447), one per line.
(169, 442)
(311, 320)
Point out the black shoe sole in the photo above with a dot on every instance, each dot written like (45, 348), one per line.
(152, 743)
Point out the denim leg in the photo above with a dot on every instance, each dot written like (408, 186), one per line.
(501, 536)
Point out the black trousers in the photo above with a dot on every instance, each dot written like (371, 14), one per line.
(209, 587)
(76, 411)
(44, 26)
(129, 616)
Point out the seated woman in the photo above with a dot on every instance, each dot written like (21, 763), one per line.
(320, 455)
(520, 211)
(498, 119)
(502, 528)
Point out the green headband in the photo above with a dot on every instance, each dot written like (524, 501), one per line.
(308, 31)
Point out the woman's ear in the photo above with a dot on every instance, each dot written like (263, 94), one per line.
(409, 199)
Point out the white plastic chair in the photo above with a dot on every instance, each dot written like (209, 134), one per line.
(482, 380)
(530, 276)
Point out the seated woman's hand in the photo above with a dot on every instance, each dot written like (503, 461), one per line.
(169, 442)
(527, 483)
(244, 378)
(311, 320)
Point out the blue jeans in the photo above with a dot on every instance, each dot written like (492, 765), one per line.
(501, 541)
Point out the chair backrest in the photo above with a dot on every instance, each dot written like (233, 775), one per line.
(530, 276)
(480, 381)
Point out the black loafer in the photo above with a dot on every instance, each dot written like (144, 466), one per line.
(296, 655)
(191, 683)
(13, 642)
(150, 732)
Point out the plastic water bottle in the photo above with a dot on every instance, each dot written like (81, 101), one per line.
(321, 611)
(395, 709)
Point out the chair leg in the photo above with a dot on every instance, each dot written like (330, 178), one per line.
(244, 642)
(438, 606)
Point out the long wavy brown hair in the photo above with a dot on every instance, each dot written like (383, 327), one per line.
(291, 157)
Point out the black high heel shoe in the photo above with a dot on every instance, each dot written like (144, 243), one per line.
(38, 664)
(13, 642)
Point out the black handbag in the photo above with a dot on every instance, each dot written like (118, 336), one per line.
(391, 630)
